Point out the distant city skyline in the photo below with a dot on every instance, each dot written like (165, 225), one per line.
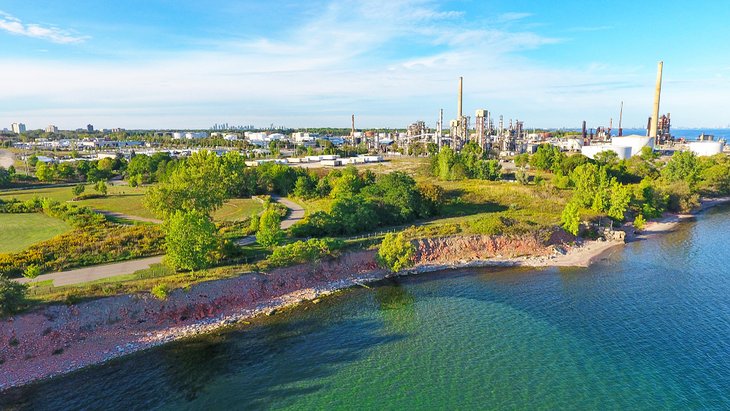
(189, 65)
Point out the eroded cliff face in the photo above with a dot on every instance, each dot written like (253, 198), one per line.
(457, 249)
(55, 339)
(59, 338)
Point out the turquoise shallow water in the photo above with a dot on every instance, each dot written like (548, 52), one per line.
(647, 328)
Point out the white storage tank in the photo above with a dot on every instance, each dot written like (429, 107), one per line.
(706, 148)
(590, 151)
(634, 141)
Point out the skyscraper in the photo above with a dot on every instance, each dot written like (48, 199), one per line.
(18, 128)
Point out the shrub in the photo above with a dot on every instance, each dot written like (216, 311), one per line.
(304, 251)
(12, 296)
(160, 291)
(639, 222)
(78, 189)
(396, 252)
(32, 271)
(269, 231)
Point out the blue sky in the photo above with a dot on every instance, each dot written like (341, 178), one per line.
(189, 64)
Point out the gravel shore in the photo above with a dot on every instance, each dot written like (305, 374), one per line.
(55, 340)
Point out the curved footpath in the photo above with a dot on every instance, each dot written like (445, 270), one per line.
(54, 340)
(99, 272)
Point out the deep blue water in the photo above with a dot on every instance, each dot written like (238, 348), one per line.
(647, 328)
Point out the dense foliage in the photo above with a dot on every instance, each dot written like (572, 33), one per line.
(12, 296)
(364, 202)
(396, 252)
(470, 162)
(191, 240)
(269, 232)
(642, 185)
(304, 251)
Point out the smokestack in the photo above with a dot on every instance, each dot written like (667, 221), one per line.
(353, 130)
(461, 95)
(620, 118)
(657, 94)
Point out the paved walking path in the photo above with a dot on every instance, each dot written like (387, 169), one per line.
(128, 217)
(97, 272)
(296, 214)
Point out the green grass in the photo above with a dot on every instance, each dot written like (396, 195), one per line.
(128, 200)
(238, 209)
(18, 231)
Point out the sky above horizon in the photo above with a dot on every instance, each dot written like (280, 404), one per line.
(190, 64)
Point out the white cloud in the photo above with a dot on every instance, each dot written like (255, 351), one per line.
(15, 26)
(379, 60)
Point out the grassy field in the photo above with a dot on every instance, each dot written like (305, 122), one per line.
(238, 209)
(128, 200)
(21, 230)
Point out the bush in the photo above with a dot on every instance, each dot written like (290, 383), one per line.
(78, 189)
(396, 252)
(32, 271)
(12, 296)
(160, 291)
(304, 251)
(269, 231)
(639, 222)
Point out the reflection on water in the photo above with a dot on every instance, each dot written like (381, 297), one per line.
(647, 328)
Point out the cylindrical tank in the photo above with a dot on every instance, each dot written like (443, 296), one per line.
(706, 148)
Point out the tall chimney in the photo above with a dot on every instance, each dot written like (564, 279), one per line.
(657, 94)
(461, 94)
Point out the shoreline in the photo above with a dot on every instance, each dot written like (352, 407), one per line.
(224, 303)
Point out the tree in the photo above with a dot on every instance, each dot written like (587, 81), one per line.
(269, 233)
(620, 199)
(78, 189)
(101, 187)
(195, 185)
(191, 240)
(570, 218)
(396, 252)
(546, 157)
(607, 157)
(253, 225)
(522, 160)
(12, 296)
(683, 166)
(44, 172)
(4, 177)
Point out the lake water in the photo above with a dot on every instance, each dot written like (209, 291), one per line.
(647, 328)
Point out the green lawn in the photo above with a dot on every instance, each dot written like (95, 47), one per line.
(128, 200)
(238, 209)
(18, 231)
